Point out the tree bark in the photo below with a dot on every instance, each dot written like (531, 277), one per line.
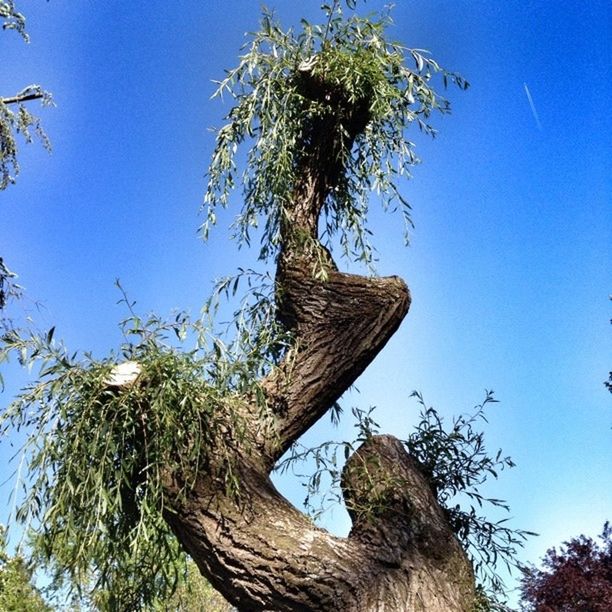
(258, 550)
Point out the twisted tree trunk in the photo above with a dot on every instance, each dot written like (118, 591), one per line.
(257, 549)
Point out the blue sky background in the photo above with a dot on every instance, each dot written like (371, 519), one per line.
(509, 265)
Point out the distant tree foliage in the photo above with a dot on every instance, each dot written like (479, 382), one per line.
(194, 594)
(17, 593)
(578, 578)
(16, 119)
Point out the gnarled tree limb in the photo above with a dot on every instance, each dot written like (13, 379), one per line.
(257, 549)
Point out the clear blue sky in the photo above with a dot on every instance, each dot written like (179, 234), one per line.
(509, 266)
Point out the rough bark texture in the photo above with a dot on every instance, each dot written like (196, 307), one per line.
(258, 550)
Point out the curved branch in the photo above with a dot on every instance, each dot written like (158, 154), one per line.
(262, 554)
(255, 547)
(340, 325)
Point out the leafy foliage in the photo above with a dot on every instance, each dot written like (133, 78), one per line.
(15, 119)
(21, 120)
(457, 465)
(8, 287)
(324, 464)
(578, 577)
(358, 71)
(12, 19)
(194, 594)
(98, 457)
(17, 593)
(9, 290)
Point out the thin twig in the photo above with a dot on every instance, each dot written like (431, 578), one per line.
(331, 15)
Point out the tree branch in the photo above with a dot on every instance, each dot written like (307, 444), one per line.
(262, 554)
(20, 98)
(255, 547)
(340, 325)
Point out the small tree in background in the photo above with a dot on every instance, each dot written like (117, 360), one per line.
(194, 594)
(577, 578)
(17, 593)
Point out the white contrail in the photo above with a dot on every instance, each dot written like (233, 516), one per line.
(533, 108)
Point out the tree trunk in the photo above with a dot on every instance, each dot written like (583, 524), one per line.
(257, 549)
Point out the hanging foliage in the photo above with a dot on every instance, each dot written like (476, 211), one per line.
(102, 443)
(347, 75)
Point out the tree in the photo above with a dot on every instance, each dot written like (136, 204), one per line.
(157, 448)
(194, 595)
(17, 593)
(578, 578)
(19, 121)
(16, 119)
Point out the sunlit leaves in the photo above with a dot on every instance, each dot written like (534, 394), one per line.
(12, 19)
(15, 118)
(457, 464)
(270, 117)
(8, 287)
(98, 457)
(255, 336)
